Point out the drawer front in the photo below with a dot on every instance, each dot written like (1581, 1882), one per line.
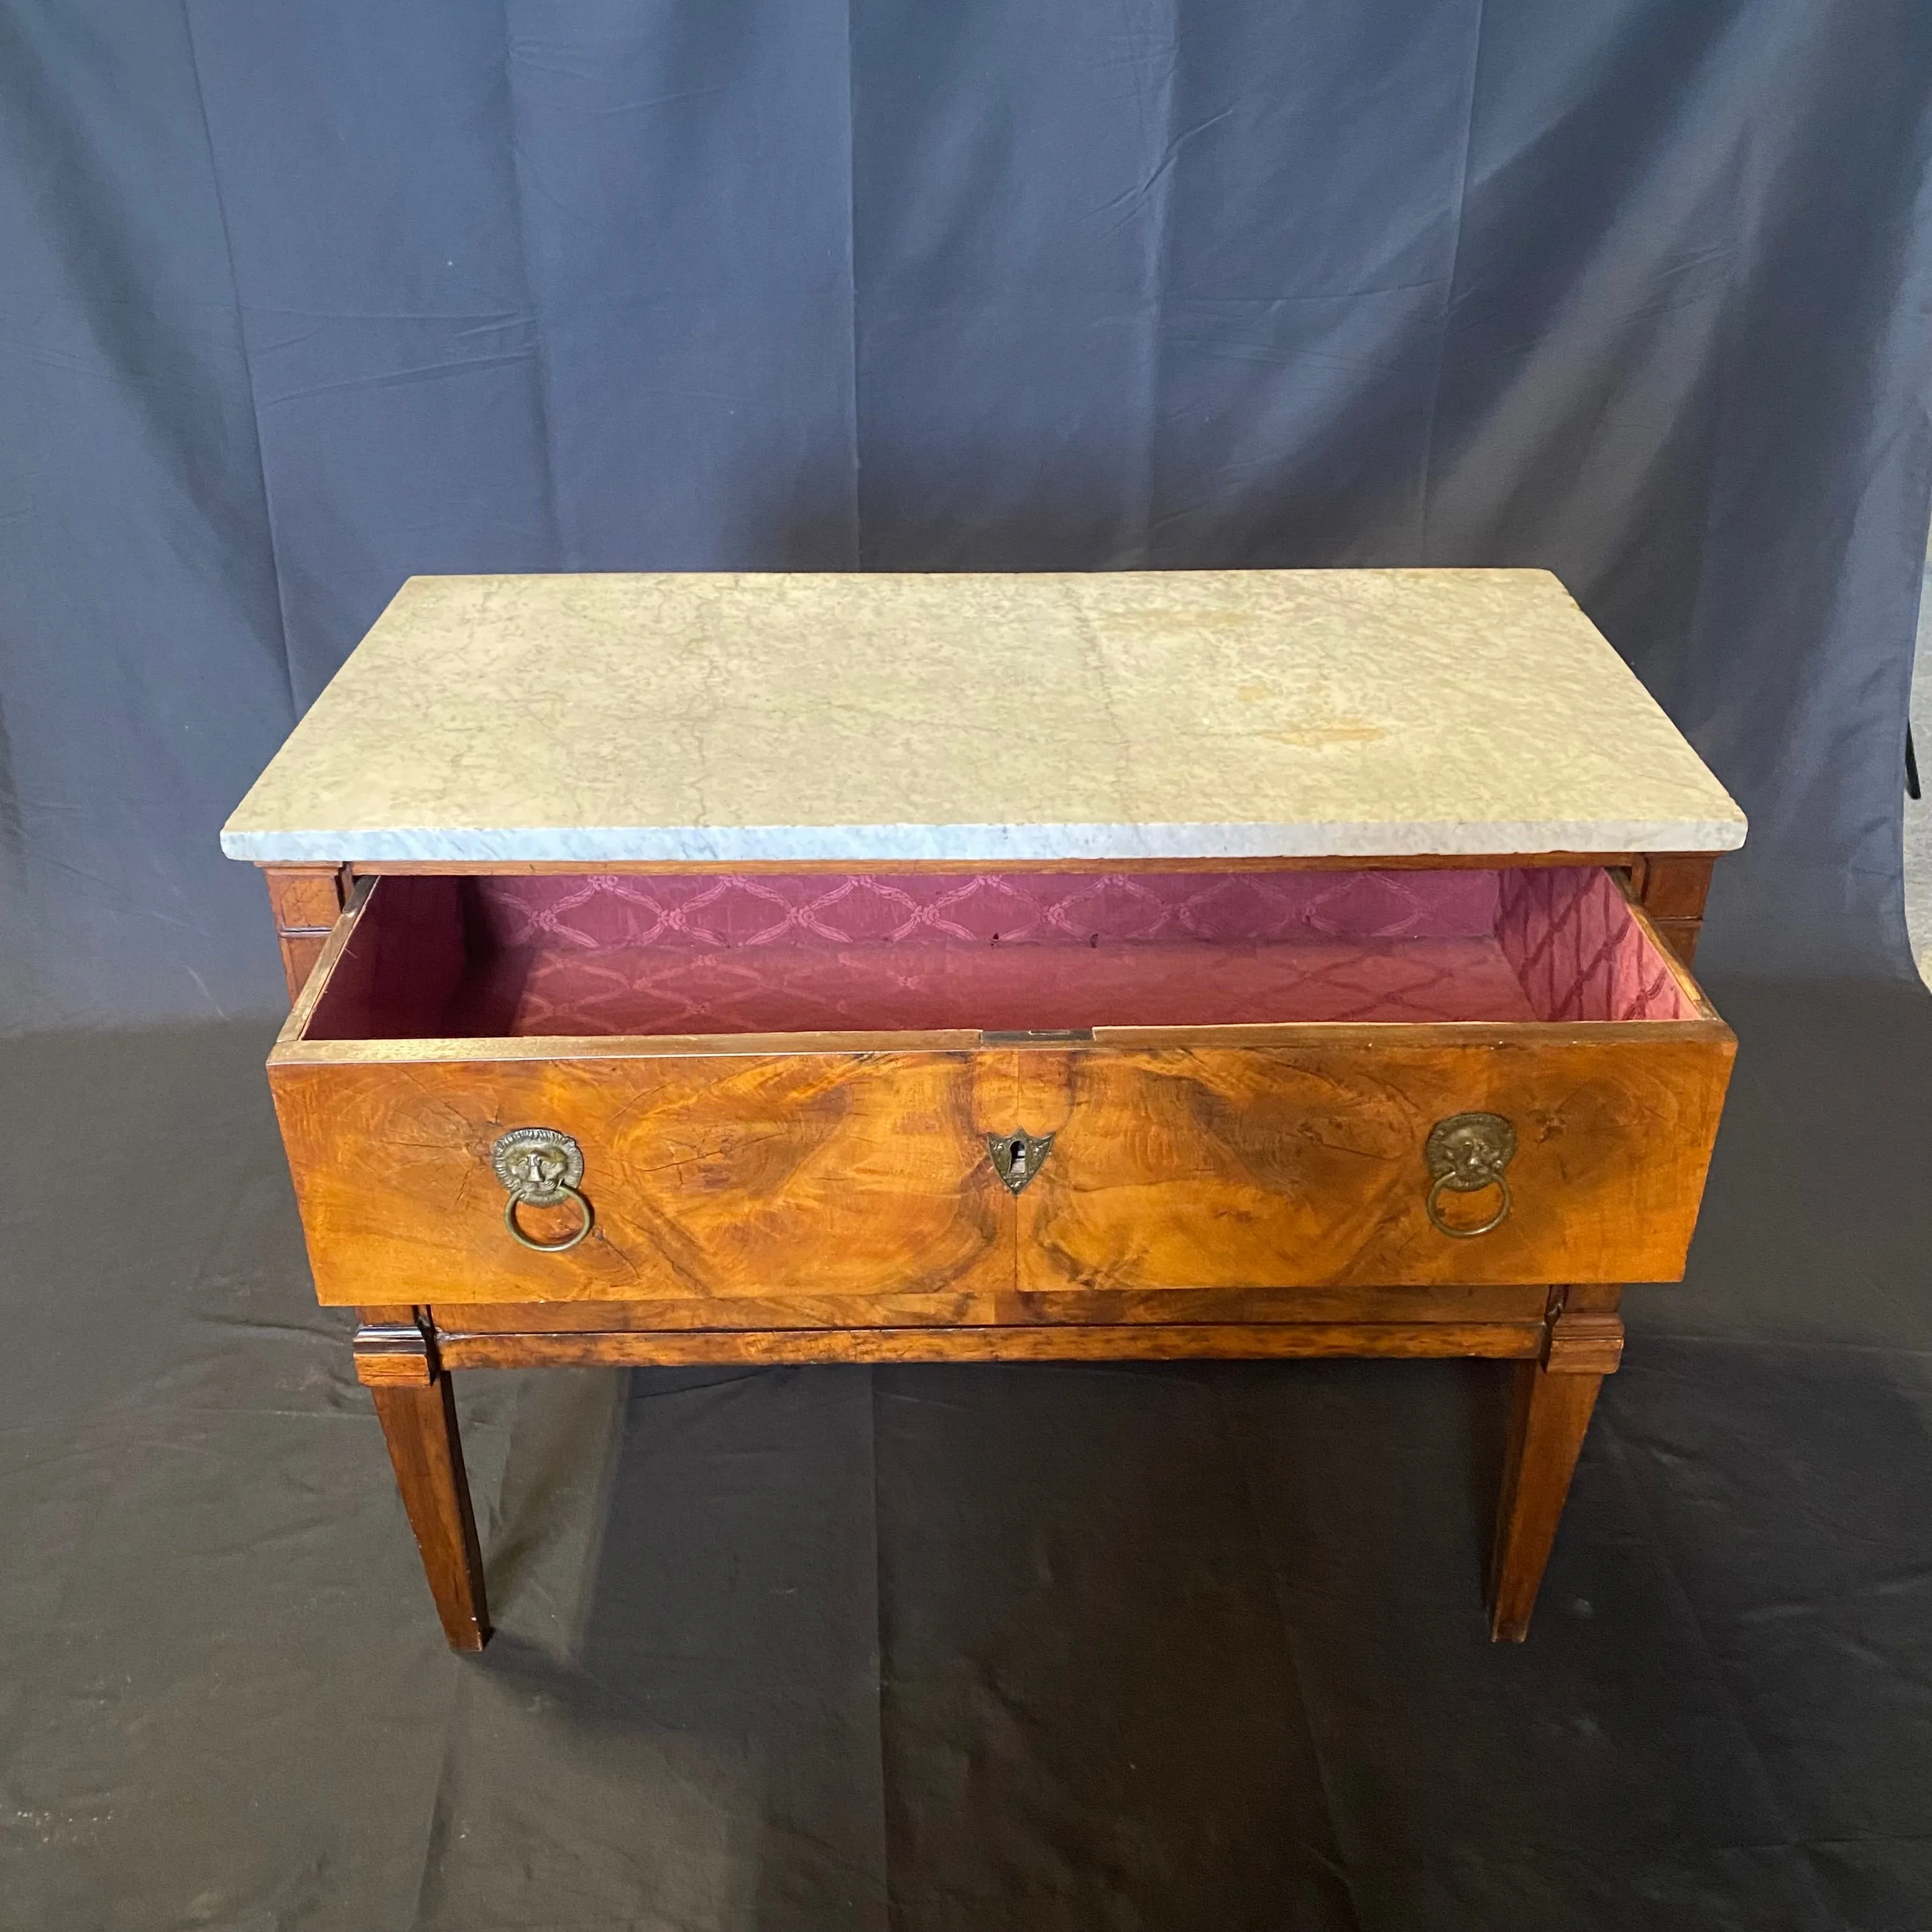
(1223, 1167)
(867, 1174)
(838, 1173)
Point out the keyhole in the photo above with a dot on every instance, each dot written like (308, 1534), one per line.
(1017, 1154)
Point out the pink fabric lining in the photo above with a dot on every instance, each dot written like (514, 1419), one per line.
(687, 954)
(1570, 939)
(1008, 908)
(795, 988)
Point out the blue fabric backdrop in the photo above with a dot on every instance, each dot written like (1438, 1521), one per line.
(297, 301)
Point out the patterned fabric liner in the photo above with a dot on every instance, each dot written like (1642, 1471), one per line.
(1576, 951)
(757, 953)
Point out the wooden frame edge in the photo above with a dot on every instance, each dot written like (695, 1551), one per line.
(292, 1051)
(1680, 969)
(1519, 1340)
(317, 984)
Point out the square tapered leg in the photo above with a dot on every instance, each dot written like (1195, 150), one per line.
(417, 1410)
(1552, 1402)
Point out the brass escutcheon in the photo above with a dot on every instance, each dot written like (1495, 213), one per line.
(1466, 1154)
(1017, 1156)
(542, 1168)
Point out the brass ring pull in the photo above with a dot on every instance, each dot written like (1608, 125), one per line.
(541, 1168)
(586, 1216)
(1433, 1205)
(1466, 1154)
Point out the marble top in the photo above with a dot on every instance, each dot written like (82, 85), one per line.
(1119, 715)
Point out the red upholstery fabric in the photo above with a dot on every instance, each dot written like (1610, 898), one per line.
(754, 953)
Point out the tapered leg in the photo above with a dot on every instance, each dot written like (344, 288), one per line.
(1551, 1400)
(413, 1399)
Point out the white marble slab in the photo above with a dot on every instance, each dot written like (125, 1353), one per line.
(1188, 714)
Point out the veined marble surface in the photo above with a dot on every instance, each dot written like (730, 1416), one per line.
(1178, 714)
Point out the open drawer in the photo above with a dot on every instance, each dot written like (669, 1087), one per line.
(937, 1088)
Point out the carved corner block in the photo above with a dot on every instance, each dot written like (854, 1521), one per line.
(396, 1354)
(1584, 1343)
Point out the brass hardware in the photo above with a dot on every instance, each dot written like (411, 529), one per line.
(541, 1167)
(585, 1213)
(1466, 1154)
(538, 1165)
(1017, 1156)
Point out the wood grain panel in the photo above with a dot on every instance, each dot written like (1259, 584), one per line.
(1224, 1166)
(1458, 1303)
(1675, 885)
(834, 1174)
(305, 898)
(1506, 1340)
(1210, 1168)
(1672, 887)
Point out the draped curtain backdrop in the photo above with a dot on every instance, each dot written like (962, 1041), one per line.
(296, 300)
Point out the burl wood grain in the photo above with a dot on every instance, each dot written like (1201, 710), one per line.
(864, 1174)
(1223, 1166)
(840, 1174)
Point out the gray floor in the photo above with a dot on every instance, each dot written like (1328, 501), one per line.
(1918, 812)
(1195, 1647)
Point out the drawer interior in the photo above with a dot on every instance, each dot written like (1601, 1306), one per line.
(726, 953)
